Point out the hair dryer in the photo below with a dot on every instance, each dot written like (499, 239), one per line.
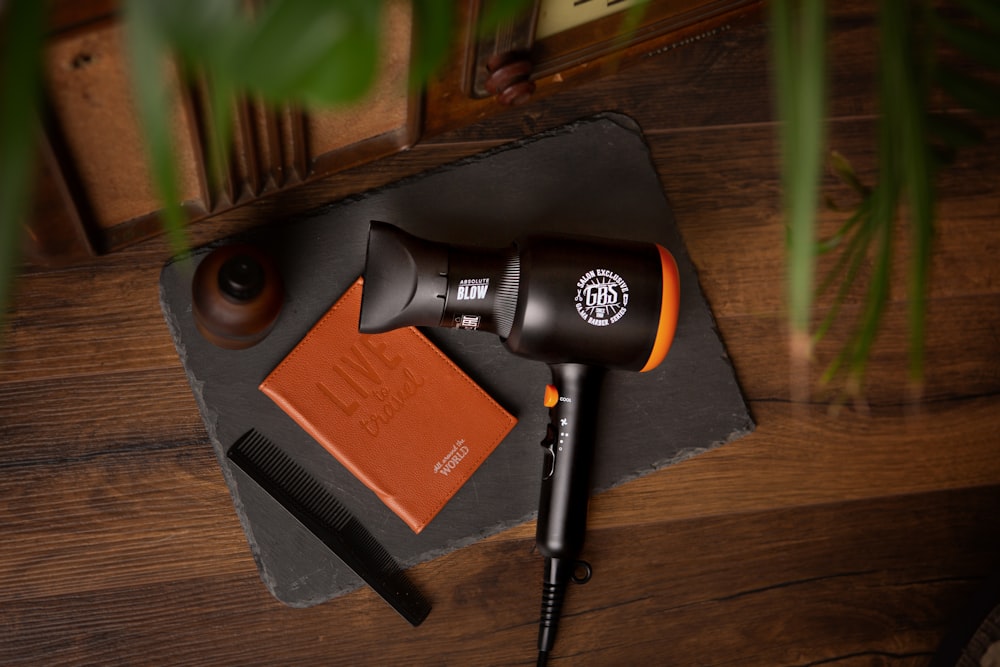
(582, 305)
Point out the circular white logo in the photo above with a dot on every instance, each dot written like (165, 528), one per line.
(601, 297)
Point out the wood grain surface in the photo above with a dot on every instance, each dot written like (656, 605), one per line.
(840, 537)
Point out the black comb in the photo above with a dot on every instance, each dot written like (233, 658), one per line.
(326, 518)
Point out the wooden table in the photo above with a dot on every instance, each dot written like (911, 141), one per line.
(848, 537)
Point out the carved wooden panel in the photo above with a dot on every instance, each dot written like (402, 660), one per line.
(93, 157)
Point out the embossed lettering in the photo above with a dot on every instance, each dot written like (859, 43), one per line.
(377, 348)
(348, 408)
(390, 403)
(359, 373)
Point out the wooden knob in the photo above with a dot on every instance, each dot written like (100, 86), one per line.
(236, 296)
(510, 78)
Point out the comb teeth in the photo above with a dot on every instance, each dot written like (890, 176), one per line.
(328, 519)
(285, 473)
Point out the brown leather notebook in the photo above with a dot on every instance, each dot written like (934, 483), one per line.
(391, 407)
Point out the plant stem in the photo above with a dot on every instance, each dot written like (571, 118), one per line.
(799, 56)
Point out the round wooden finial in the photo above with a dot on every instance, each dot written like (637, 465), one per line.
(510, 78)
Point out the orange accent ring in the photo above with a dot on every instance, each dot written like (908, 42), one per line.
(669, 305)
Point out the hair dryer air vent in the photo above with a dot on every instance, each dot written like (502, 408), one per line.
(405, 281)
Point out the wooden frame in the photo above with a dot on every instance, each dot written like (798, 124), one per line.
(579, 55)
(600, 38)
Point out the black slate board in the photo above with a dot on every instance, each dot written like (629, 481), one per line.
(591, 177)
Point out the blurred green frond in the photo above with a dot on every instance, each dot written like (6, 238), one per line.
(913, 143)
(434, 23)
(148, 54)
(20, 88)
(313, 52)
(799, 57)
(300, 52)
(904, 176)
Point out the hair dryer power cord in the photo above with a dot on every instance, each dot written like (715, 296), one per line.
(558, 573)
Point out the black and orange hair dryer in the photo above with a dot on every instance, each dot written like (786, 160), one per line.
(582, 305)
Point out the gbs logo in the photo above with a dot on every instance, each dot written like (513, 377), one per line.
(601, 297)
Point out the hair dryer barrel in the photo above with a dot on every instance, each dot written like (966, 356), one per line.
(600, 302)
(556, 299)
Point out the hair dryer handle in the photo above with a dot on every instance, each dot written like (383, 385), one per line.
(569, 451)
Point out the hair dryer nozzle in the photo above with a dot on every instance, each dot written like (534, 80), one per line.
(405, 280)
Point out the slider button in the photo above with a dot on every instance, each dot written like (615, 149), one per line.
(551, 399)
